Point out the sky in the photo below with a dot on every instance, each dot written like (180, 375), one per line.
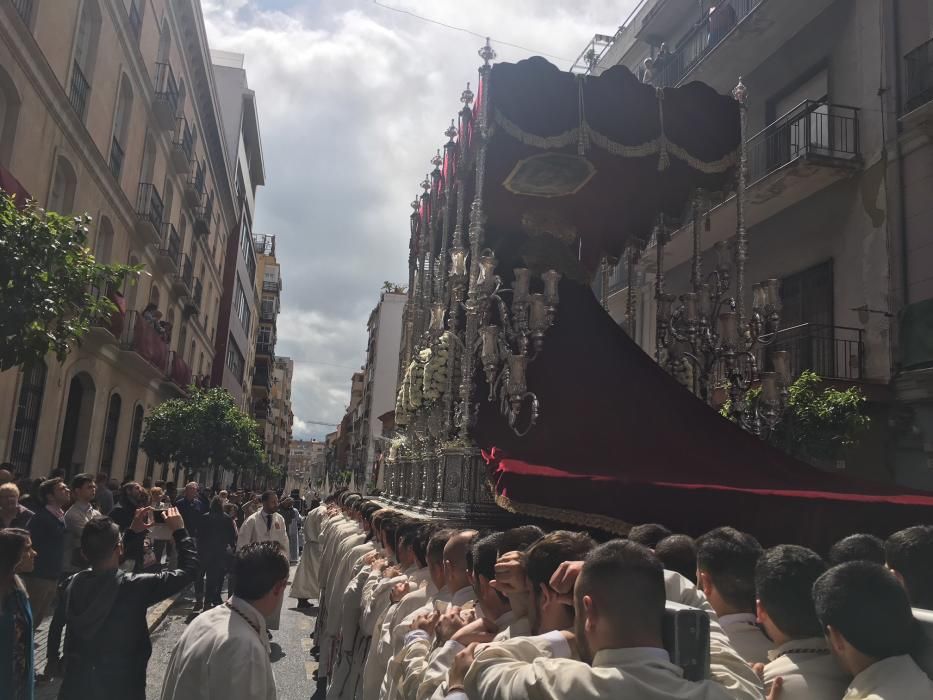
(353, 101)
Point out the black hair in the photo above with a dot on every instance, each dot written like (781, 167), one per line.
(626, 580)
(435, 550)
(518, 539)
(414, 534)
(865, 603)
(80, 480)
(910, 553)
(784, 578)
(259, 566)
(13, 542)
(649, 534)
(678, 553)
(728, 556)
(217, 505)
(544, 557)
(481, 558)
(858, 547)
(266, 495)
(98, 540)
(47, 487)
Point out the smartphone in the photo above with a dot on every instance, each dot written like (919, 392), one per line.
(686, 639)
(158, 515)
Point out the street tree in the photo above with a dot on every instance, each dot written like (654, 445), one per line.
(204, 431)
(52, 290)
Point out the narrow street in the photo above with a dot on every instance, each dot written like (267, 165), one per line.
(291, 645)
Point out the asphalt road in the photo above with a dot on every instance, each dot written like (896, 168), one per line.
(291, 660)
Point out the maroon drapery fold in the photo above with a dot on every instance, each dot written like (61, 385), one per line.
(150, 344)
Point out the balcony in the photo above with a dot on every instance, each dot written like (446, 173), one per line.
(79, 92)
(808, 149)
(182, 146)
(272, 285)
(183, 281)
(108, 329)
(144, 341)
(116, 159)
(24, 10)
(268, 313)
(264, 244)
(265, 348)
(166, 96)
(169, 248)
(918, 107)
(734, 40)
(194, 186)
(193, 300)
(177, 372)
(202, 216)
(832, 352)
(262, 380)
(149, 210)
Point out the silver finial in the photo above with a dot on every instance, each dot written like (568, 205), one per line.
(466, 97)
(438, 159)
(487, 53)
(740, 92)
(451, 131)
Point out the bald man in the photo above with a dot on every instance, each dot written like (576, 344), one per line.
(619, 600)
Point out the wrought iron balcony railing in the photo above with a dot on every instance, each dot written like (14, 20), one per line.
(919, 75)
(703, 39)
(143, 336)
(811, 129)
(185, 274)
(203, 215)
(171, 243)
(832, 352)
(149, 205)
(184, 139)
(166, 88)
(80, 91)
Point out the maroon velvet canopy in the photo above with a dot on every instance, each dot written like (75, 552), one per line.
(620, 441)
(599, 156)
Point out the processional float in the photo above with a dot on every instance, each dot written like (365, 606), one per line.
(517, 391)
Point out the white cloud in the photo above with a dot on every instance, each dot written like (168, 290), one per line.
(353, 101)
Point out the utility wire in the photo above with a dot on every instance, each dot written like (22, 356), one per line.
(469, 31)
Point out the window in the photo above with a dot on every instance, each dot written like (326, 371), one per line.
(241, 307)
(235, 361)
(133, 454)
(28, 410)
(103, 246)
(9, 115)
(136, 17)
(121, 122)
(85, 56)
(110, 433)
(64, 182)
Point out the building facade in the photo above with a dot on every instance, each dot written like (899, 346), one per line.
(824, 147)
(278, 425)
(380, 381)
(306, 462)
(109, 107)
(268, 287)
(238, 322)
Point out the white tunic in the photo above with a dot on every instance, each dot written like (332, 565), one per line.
(256, 529)
(221, 656)
(307, 584)
(894, 678)
(809, 670)
(746, 637)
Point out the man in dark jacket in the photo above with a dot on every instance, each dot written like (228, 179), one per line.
(192, 507)
(107, 646)
(47, 529)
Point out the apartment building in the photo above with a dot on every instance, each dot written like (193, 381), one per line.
(278, 425)
(109, 107)
(238, 322)
(380, 378)
(269, 288)
(825, 84)
(306, 461)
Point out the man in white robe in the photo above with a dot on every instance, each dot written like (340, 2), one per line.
(266, 525)
(224, 653)
(306, 586)
(784, 578)
(726, 561)
(871, 631)
(619, 601)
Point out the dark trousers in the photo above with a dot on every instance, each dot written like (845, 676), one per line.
(215, 581)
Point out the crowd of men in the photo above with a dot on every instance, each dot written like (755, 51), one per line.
(412, 610)
(96, 560)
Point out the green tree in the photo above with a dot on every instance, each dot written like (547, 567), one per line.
(50, 283)
(205, 430)
(820, 422)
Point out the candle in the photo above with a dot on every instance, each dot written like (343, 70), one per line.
(458, 262)
(487, 268)
(437, 316)
(537, 320)
(664, 307)
(690, 306)
(551, 280)
(705, 305)
(522, 284)
(517, 374)
(769, 388)
(490, 351)
(728, 329)
(773, 293)
(758, 297)
(780, 359)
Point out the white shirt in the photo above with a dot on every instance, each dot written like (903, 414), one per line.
(222, 655)
(746, 637)
(894, 678)
(809, 670)
(256, 529)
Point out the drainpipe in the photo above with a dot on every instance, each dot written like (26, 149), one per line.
(901, 197)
